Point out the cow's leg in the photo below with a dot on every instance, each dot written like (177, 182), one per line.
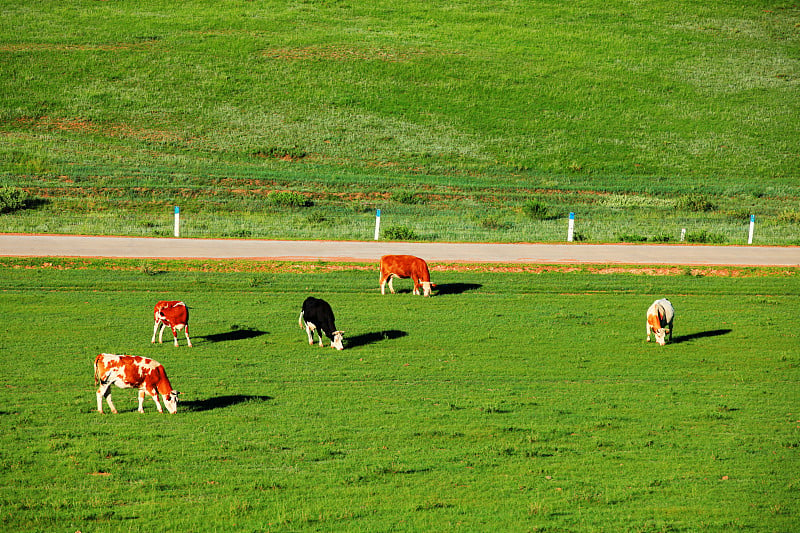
(155, 330)
(141, 401)
(384, 279)
(319, 334)
(391, 287)
(154, 395)
(104, 391)
(383, 282)
(309, 331)
(186, 332)
(161, 333)
(416, 285)
(174, 336)
(648, 331)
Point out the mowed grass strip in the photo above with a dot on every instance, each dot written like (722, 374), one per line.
(510, 401)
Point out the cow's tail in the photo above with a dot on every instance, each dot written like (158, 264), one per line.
(95, 373)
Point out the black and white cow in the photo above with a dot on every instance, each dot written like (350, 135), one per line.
(317, 315)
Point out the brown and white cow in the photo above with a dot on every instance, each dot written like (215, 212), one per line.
(176, 316)
(129, 371)
(660, 315)
(405, 266)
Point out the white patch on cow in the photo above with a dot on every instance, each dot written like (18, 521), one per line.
(426, 288)
(171, 402)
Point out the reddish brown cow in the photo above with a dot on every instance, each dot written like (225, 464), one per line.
(128, 371)
(172, 314)
(405, 266)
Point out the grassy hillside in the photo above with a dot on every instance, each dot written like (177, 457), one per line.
(527, 408)
(477, 108)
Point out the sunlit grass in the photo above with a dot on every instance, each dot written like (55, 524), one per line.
(528, 405)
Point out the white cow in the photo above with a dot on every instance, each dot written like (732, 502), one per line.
(659, 320)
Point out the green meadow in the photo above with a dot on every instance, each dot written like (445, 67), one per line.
(523, 400)
(462, 121)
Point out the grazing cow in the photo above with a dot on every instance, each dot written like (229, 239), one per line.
(659, 320)
(172, 314)
(405, 266)
(317, 315)
(127, 372)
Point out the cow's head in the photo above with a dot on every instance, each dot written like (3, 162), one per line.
(426, 288)
(338, 336)
(171, 402)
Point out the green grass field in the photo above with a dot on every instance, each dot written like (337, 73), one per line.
(517, 400)
(449, 117)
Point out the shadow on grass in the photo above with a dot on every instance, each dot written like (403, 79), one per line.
(456, 288)
(233, 335)
(371, 338)
(701, 335)
(220, 402)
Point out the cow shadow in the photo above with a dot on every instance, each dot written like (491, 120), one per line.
(371, 338)
(220, 402)
(701, 335)
(233, 335)
(456, 288)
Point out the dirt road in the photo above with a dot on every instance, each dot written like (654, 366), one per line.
(181, 248)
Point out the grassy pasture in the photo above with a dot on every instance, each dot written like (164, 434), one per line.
(113, 112)
(515, 400)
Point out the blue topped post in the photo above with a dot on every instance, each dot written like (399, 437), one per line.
(377, 224)
(177, 221)
(571, 227)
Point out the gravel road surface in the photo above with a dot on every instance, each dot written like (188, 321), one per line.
(359, 251)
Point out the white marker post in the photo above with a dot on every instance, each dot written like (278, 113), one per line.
(683, 234)
(177, 221)
(571, 227)
(752, 226)
(377, 224)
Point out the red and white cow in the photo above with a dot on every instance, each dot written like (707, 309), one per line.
(172, 314)
(129, 371)
(660, 315)
(405, 266)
